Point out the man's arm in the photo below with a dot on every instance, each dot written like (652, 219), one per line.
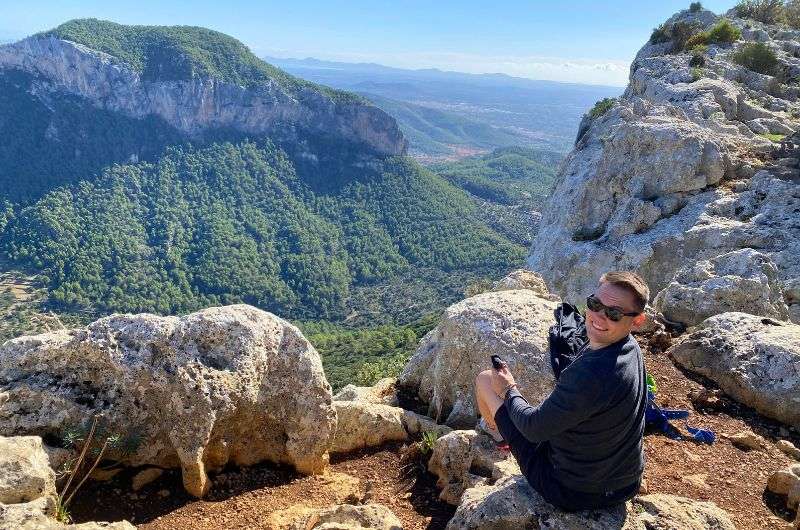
(572, 400)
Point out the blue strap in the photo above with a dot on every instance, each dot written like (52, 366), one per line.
(659, 418)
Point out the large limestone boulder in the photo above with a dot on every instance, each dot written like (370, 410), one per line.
(465, 459)
(743, 280)
(755, 360)
(350, 517)
(381, 392)
(28, 489)
(787, 482)
(674, 173)
(25, 473)
(363, 424)
(226, 384)
(512, 324)
(511, 504)
(524, 279)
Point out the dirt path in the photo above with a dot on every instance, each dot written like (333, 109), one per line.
(262, 496)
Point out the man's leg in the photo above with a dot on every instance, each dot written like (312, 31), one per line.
(488, 401)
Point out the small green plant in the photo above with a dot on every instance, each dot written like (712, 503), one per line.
(724, 32)
(766, 11)
(659, 35)
(93, 442)
(791, 11)
(681, 33)
(697, 74)
(428, 441)
(694, 7)
(758, 57)
(601, 107)
(773, 137)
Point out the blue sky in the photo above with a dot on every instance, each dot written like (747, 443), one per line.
(578, 41)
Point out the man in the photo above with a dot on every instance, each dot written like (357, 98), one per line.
(581, 448)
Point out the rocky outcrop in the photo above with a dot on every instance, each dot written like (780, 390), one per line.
(743, 280)
(382, 392)
(25, 473)
(465, 459)
(363, 424)
(349, 517)
(754, 359)
(512, 503)
(512, 324)
(787, 482)
(199, 104)
(524, 279)
(28, 488)
(675, 172)
(227, 384)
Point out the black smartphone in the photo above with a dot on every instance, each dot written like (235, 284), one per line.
(497, 362)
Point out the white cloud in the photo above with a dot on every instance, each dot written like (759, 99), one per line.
(576, 70)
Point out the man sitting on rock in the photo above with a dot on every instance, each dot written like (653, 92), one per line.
(581, 448)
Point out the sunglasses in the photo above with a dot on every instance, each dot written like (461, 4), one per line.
(614, 314)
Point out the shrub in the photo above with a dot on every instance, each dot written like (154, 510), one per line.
(659, 35)
(681, 33)
(601, 107)
(791, 12)
(766, 11)
(428, 441)
(697, 60)
(694, 7)
(773, 137)
(724, 32)
(697, 74)
(758, 57)
(697, 40)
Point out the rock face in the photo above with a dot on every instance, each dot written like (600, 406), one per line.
(28, 488)
(381, 392)
(25, 473)
(349, 517)
(524, 279)
(512, 324)
(227, 384)
(744, 280)
(787, 482)
(363, 424)
(753, 359)
(674, 172)
(196, 105)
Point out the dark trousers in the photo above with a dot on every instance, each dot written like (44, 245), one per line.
(535, 465)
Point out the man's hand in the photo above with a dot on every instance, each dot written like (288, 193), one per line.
(501, 379)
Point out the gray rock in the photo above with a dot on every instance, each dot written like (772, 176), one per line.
(512, 324)
(349, 517)
(645, 188)
(744, 280)
(755, 360)
(25, 473)
(227, 384)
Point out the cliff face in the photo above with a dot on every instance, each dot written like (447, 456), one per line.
(200, 103)
(681, 169)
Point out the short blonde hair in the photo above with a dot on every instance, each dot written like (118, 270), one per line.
(631, 282)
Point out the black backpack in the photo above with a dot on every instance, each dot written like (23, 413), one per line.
(567, 337)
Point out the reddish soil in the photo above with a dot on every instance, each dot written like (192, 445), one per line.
(257, 497)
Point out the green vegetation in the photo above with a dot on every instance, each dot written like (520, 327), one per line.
(180, 53)
(237, 223)
(90, 444)
(697, 74)
(363, 356)
(601, 107)
(428, 441)
(758, 57)
(660, 35)
(723, 32)
(773, 137)
(694, 7)
(766, 11)
(507, 176)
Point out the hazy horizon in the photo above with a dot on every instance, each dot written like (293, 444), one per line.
(581, 42)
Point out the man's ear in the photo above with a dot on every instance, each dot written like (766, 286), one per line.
(639, 320)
